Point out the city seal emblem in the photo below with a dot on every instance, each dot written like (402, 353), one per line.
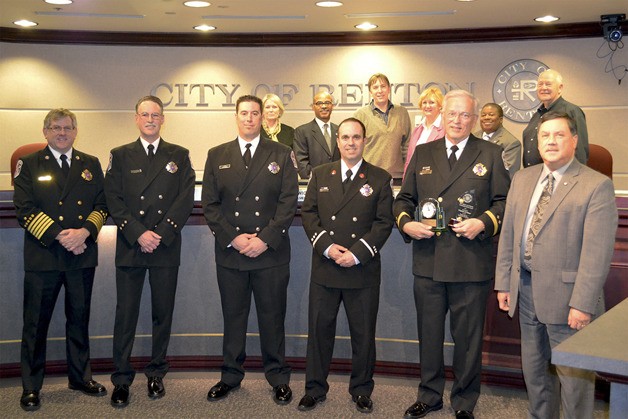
(514, 89)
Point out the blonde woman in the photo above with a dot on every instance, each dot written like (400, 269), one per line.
(273, 129)
(431, 127)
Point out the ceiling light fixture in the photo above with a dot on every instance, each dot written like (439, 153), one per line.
(329, 3)
(197, 4)
(366, 26)
(205, 28)
(25, 23)
(546, 19)
(59, 2)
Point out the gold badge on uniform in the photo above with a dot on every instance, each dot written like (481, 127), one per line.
(273, 168)
(366, 190)
(172, 167)
(426, 170)
(479, 169)
(87, 175)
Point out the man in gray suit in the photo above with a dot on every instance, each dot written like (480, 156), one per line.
(554, 255)
(491, 120)
(315, 142)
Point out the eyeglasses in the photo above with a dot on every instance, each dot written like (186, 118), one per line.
(326, 103)
(464, 116)
(58, 129)
(145, 115)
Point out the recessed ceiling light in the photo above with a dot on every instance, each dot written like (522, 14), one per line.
(366, 26)
(205, 28)
(25, 23)
(197, 4)
(329, 3)
(59, 1)
(547, 19)
(464, 1)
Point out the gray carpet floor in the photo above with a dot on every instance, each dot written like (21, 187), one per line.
(186, 398)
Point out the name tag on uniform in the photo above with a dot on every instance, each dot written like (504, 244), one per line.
(134, 171)
(324, 189)
(426, 170)
(46, 178)
(224, 166)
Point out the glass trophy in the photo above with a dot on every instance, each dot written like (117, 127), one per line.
(467, 203)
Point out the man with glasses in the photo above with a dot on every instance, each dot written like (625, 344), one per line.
(465, 177)
(315, 142)
(59, 200)
(150, 192)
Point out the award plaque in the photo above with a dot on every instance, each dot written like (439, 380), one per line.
(431, 213)
(467, 203)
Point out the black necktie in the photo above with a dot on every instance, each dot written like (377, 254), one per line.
(347, 181)
(151, 151)
(452, 157)
(247, 155)
(65, 167)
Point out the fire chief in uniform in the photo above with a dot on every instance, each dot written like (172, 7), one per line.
(249, 198)
(452, 271)
(347, 214)
(150, 193)
(59, 200)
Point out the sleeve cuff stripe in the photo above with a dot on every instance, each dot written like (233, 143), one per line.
(401, 215)
(97, 219)
(318, 237)
(494, 219)
(368, 247)
(39, 225)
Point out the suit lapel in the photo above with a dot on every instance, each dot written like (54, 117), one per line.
(158, 163)
(318, 136)
(261, 156)
(467, 158)
(528, 184)
(359, 180)
(567, 182)
(76, 168)
(51, 166)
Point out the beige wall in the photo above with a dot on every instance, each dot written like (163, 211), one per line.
(102, 83)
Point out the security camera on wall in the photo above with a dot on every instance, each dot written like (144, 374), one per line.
(611, 24)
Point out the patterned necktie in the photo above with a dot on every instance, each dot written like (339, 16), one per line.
(347, 181)
(536, 220)
(327, 137)
(452, 157)
(151, 151)
(247, 155)
(65, 167)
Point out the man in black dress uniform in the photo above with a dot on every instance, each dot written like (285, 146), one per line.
(347, 214)
(249, 198)
(452, 269)
(59, 200)
(150, 193)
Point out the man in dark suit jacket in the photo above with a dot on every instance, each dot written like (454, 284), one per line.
(150, 193)
(59, 200)
(249, 199)
(559, 288)
(493, 130)
(347, 214)
(310, 145)
(452, 268)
